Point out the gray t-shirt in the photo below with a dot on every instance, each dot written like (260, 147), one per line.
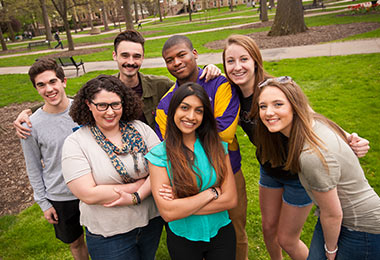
(43, 152)
(82, 155)
(360, 203)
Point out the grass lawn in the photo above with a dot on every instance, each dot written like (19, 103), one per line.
(180, 24)
(344, 88)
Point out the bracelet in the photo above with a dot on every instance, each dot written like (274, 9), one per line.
(331, 252)
(134, 198)
(215, 191)
(137, 197)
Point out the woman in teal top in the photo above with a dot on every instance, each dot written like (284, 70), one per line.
(192, 180)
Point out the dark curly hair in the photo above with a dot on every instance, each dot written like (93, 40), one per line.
(80, 112)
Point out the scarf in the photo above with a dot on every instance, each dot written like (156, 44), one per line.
(133, 144)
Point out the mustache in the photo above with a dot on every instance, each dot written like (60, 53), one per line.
(130, 66)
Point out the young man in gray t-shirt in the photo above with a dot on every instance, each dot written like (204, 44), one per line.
(43, 151)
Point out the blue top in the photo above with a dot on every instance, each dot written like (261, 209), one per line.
(194, 227)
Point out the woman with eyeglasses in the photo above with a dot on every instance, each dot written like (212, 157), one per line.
(348, 226)
(284, 203)
(103, 165)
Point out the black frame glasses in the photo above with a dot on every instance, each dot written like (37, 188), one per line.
(282, 80)
(101, 107)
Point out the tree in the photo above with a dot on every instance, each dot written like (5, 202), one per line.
(136, 11)
(89, 14)
(271, 3)
(189, 10)
(6, 10)
(263, 11)
(45, 17)
(289, 18)
(127, 14)
(105, 16)
(159, 10)
(3, 44)
(61, 7)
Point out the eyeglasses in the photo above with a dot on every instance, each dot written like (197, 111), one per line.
(282, 80)
(104, 106)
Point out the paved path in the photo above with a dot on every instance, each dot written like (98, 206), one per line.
(236, 26)
(327, 49)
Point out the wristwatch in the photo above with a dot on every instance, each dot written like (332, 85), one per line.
(215, 191)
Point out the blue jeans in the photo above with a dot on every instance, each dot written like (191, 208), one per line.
(352, 245)
(137, 244)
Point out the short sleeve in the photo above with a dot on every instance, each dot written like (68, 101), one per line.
(74, 162)
(316, 174)
(157, 156)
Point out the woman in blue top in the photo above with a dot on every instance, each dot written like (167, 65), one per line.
(192, 180)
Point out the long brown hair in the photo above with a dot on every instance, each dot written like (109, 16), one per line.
(269, 144)
(253, 50)
(184, 178)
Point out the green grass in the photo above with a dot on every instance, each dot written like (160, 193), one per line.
(344, 88)
(153, 47)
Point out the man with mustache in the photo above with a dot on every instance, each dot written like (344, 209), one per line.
(129, 55)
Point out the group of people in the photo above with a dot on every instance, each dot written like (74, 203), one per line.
(133, 153)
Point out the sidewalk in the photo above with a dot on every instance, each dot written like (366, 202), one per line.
(327, 49)
(236, 26)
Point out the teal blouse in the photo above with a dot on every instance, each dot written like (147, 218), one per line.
(194, 227)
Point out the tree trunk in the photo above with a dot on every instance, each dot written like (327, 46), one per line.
(61, 7)
(105, 16)
(89, 13)
(136, 11)
(141, 8)
(127, 14)
(3, 44)
(289, 18)
(263, 11)
(189, 10)
(74, 22)
(271, 3)
(159, 10)
(10, 30)
(78, 18)
(45, 17)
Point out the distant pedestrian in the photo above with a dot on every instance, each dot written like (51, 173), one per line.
(139, 26)
(58, 39)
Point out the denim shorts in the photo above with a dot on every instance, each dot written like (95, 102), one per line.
(352, 245)
(294, 194)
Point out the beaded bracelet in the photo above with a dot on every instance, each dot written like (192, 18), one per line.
(134, 198)
(137, 197)
(331, 252)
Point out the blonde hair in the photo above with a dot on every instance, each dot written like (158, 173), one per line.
(269, 144)
(254, 52)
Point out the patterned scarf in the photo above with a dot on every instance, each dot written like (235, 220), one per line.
(133, 144)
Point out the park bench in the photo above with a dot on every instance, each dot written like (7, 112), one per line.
(69, 61)
(39, 43)
(314, 6)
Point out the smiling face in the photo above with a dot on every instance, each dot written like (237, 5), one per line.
(189, 115)
(129, 57)
(107, 120)
(275, 110)
(52, 90)
(240, 67)
(181, 62)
